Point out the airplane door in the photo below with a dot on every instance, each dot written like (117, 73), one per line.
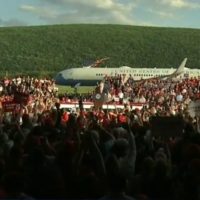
(186, 75)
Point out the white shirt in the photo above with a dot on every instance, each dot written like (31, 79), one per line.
(179, 97)
(121, 95)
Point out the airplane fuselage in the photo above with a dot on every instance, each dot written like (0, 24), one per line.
(91, 76)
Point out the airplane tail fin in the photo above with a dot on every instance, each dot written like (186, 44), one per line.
(181, 68)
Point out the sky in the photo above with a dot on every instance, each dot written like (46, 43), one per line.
(163, 13)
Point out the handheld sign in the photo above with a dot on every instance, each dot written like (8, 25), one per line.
(167, 126)
(9, 106)
(194, 108)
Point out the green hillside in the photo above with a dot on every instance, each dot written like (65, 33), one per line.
(45, 50)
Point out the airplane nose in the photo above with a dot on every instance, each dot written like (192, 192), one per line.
(59, 79)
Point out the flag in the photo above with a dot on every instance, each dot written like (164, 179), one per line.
(125, 79)
(101, 87)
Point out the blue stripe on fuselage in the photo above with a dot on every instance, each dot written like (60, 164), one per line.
(72, 82)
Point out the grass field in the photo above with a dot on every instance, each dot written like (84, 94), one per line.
(70, 90)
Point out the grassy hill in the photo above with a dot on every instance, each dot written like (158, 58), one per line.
(44, 50)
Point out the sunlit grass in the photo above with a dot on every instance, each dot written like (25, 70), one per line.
(70, 90)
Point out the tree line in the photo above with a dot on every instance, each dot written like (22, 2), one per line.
(45, 50)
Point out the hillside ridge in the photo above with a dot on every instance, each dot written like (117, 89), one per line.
(45, 50)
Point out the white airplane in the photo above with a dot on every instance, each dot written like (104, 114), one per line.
(90, 76)
(191, 73)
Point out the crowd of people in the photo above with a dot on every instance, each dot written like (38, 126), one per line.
(47, 152)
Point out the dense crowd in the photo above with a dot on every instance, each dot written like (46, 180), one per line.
(49, 153)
